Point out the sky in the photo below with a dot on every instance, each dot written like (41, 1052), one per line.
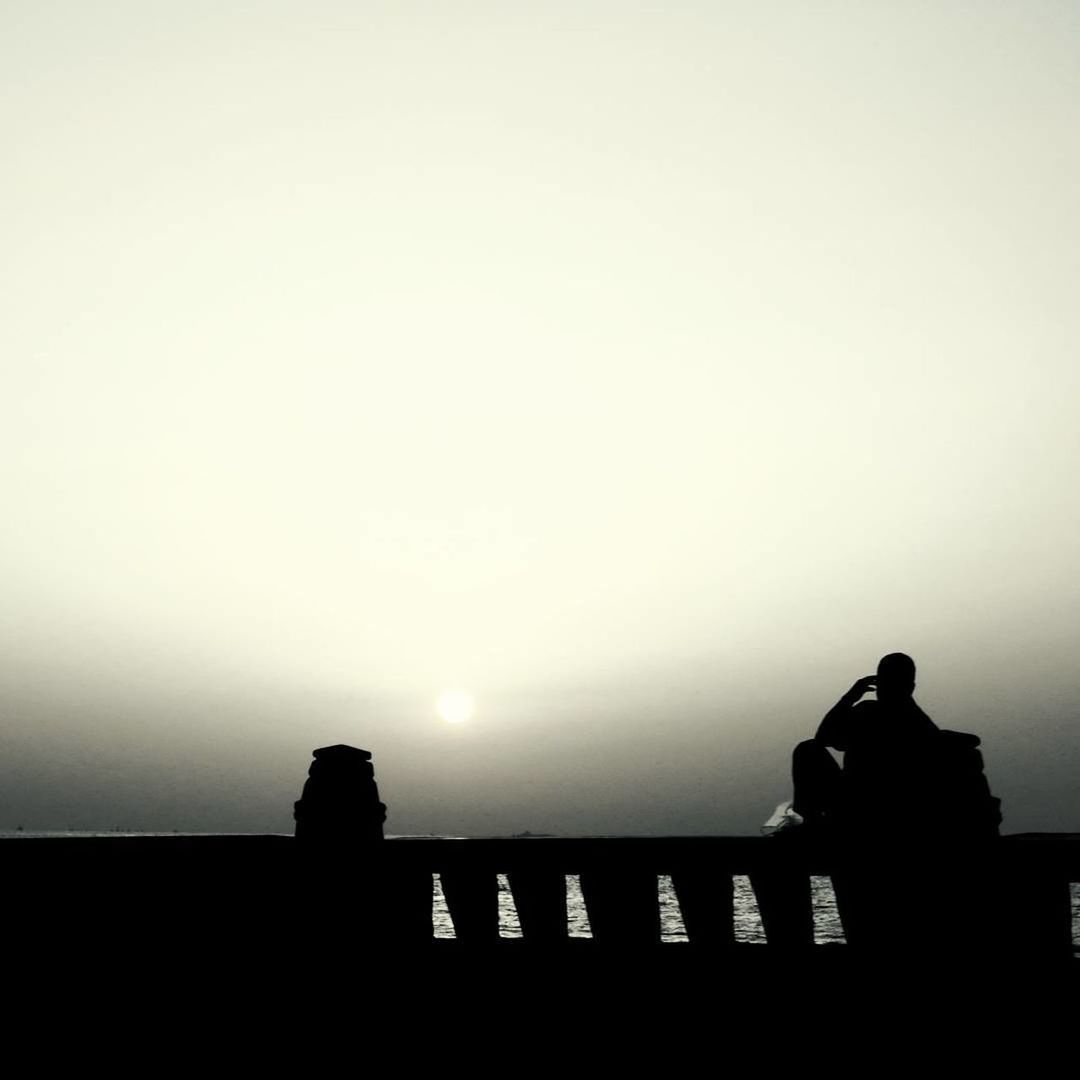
(645, 371)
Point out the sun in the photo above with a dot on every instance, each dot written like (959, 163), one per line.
(455, 706)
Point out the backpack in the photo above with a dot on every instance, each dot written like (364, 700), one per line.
(933, 788)
(959, 789)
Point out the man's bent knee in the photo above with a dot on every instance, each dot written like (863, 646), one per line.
(810, 749)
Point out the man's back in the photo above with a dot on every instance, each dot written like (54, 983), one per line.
(888, 754)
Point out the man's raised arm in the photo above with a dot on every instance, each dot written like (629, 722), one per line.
(835, 729)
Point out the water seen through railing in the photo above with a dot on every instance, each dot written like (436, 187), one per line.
(747, 926)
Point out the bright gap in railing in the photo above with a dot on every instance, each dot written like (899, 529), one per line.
(828, 929)
(441, 922)
(577, 918)
(1074, 889)
(672, 927)
(509, 926)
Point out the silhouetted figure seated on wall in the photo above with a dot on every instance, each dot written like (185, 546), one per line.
(903, 776)
(907, 813)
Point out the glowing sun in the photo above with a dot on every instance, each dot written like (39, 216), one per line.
(455, 706)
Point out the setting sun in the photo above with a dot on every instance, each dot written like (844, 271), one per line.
(455, 706)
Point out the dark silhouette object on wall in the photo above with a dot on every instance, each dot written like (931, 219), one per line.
(344, 877)
(340, 801)
(910, 807)
(903, 776)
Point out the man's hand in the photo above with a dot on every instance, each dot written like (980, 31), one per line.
(860, 687)
(835, 729)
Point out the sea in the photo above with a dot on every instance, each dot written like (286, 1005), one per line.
(747, 918)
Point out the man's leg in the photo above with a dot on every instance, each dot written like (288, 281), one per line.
(782, 888)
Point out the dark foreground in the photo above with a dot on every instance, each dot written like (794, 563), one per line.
(274, 939)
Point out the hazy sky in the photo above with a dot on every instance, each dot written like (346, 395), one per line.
(647, 370)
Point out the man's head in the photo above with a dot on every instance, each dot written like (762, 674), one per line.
(895, 677)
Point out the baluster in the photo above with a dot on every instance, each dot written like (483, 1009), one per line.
(540, 899)
(472, 897)
(622, 904)
(784, 900)
(707, 901)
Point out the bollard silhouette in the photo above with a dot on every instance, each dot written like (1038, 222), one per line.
(346, 875)
(340, 800)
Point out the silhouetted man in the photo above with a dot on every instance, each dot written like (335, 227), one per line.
(877, 738)
(902, 775)
(905, 811)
